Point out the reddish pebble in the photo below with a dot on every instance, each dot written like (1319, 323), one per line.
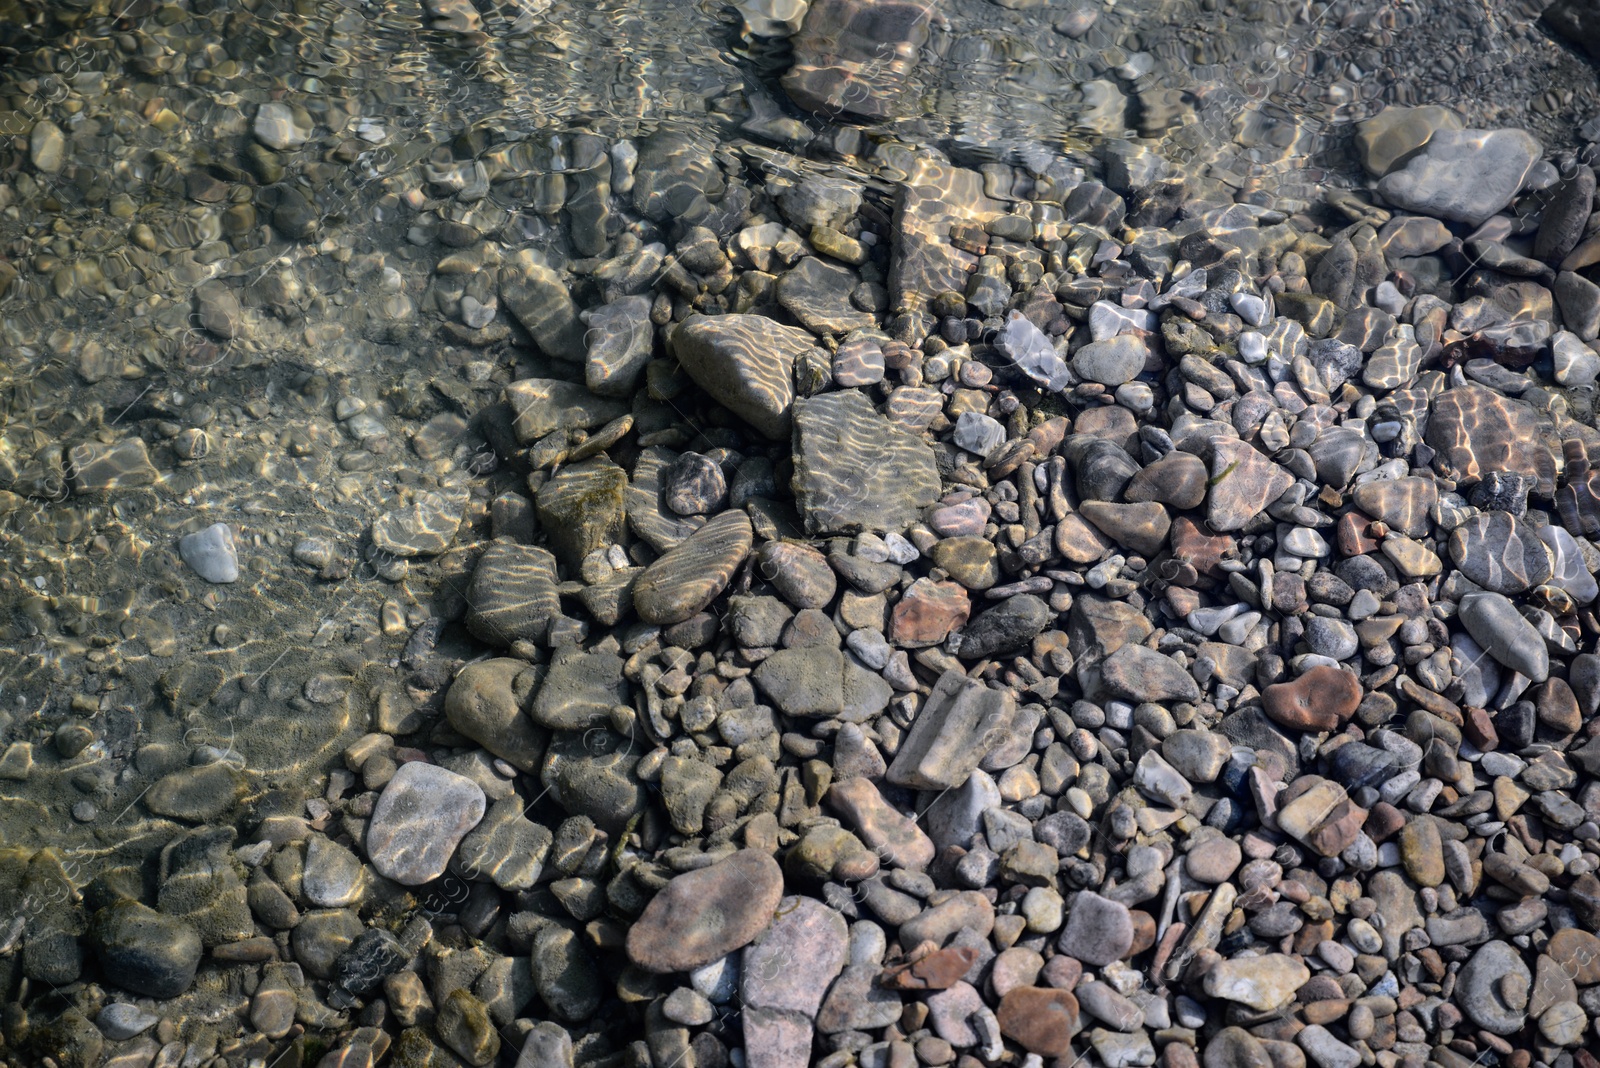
(1319, 700)
(939, 970)
(1040, 1020)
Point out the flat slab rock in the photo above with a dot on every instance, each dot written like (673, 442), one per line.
(1463, 175)
(856, 471)
(1477, 430)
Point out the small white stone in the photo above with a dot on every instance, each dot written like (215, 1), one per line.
(211, 553)
(276, 128)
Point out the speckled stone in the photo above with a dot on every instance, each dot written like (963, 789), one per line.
(703, 915)
(1243, 483)
(420, 818)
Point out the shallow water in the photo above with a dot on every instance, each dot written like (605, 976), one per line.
(134, 183)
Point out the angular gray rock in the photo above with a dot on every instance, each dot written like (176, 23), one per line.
(959, 723)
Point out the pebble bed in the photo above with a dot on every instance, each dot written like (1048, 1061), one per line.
(856, 606)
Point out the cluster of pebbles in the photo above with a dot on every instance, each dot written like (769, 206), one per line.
(843, 609)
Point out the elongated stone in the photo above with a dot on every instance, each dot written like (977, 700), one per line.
(746, 362)
(959, 723)
(543, 405)
(689, 577)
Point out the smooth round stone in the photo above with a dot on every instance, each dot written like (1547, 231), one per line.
(1480, 992)
(146, 951)
(1564, 1024)
(1113, 361)
(971, 561)
(1578, 953)
(47, 147)
(1576, 364)
(1039, 1019)
(1396, 131)
(1177, 479)
(1463, 175)
(746, 362)
(1332, 638)
(333, 876)
(1234, 1047)
(708, 913)
(1497, 626)
(694, 485)
(1501, 553)
(799, 573)
(211, 553)
(420, 818)
(1213, 861)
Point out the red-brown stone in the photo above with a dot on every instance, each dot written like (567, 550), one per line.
(1351, 535)
(939, 970)
(1320, 700)
(1040, 1020)
(1193, 545)
(928, 612)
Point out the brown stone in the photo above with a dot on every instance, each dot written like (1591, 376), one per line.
(1478, 727)
(1578, 953)
(1040, 1020)
(1401, 503)
(1320, 700)
(939, 970)
(1558, 707)
(895, 837)
(1383, 821)
(1140, 527)
(1351, 535)
(1476, 430)
(928, 612)
(1201, 550)
(1177, 479)
(1243, 482)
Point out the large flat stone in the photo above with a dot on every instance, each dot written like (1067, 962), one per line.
(856, 471)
